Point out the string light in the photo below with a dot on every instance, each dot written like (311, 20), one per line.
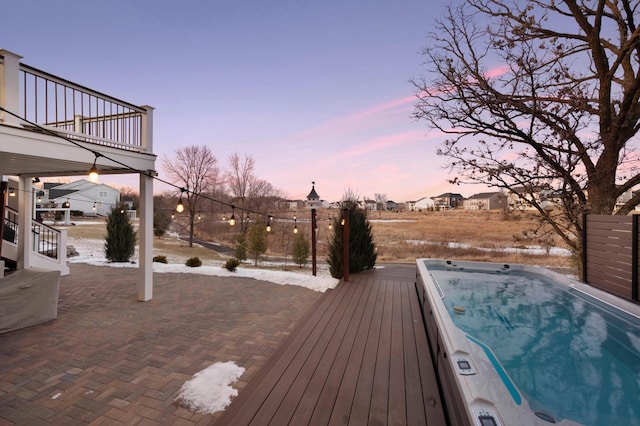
(295, 224)
(232, 220)
(66, 204)
(12, 192)
(93, 171)
(199, 216)
(94, 206)
(180, 206)
(269, 224)
(149, 173)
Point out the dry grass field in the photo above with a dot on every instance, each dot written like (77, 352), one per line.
(400, 237)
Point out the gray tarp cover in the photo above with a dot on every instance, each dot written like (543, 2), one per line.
(28, 297)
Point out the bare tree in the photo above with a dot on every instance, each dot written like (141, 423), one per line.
(540, 98)
(195, 169)
(381, 201)
(250, 192)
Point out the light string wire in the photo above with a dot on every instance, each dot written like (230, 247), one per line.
(146, 173)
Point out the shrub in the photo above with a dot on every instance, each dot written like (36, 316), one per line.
(120, 242)
(160, 259)
(240, 251)
(257, 243)
(362, 250)
(193, 262)
(232, 264)
(300, 249)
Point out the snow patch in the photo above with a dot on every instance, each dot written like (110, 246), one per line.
(210, 390)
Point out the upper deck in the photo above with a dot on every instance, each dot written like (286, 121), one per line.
(38, 109)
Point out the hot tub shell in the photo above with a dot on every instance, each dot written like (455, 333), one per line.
(476, 390)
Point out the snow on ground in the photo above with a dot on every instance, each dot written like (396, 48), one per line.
(210, 389)
(91, 251)
(536, 250)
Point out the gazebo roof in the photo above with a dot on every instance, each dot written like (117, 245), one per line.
(313, 195)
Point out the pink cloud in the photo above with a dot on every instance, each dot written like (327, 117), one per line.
(379, 144)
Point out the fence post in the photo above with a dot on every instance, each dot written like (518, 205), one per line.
(634, 257)
(584, 247)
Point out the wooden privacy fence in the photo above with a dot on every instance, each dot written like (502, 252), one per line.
(610, 254)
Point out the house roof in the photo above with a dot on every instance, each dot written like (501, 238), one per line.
(59, 193)
(449, 195)
(482, 195)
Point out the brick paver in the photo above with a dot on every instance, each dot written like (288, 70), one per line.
(109, 359)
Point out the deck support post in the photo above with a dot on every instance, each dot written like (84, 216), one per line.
(145, 237)
(345, 244)
(313, 243)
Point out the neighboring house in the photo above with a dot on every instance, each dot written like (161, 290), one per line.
(518, 199)
(485, 201)
(370, 205)
(424, 203)
(392, 206)
(70, 140)
(410, 205)
(92, 199)
(448, 200)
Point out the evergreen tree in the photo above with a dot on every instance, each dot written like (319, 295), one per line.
(300, 249)
(257, 240)
(362, 250)
(240, 251)
(120, 242)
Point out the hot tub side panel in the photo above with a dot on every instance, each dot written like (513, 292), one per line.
(455, 406)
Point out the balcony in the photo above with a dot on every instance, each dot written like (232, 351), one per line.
(77, 123)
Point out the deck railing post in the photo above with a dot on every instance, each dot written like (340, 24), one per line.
(345, 244)
(146, 135)
(10, 87)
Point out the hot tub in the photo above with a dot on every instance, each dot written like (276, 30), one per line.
(522, 345)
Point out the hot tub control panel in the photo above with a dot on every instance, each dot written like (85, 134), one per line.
(485, 417)
(463, 365)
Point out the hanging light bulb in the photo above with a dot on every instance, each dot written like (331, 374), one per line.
(342, 221)
(173, 216)
(224, 217)
(66, 204)
(269, 224)
(12, 192)
(93, 171)
(180, 206)
(94, 206)
(330, 224)
(232, 220)
(199, 216)
(295, 225)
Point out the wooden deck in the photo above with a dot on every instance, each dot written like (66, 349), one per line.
(360, 356)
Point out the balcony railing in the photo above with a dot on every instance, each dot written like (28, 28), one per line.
(81, 113)
(71, 110)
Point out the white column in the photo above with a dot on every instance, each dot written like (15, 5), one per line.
(10, 87)
(145, 239)
(25, 236)
(147, 129)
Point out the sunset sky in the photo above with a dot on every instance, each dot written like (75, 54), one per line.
(313, 91)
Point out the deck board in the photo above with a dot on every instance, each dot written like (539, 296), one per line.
(359, 357)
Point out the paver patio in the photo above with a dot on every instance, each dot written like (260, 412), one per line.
(109, 359)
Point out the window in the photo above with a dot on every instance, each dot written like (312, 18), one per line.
(103, 194)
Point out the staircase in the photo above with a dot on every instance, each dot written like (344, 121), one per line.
(49, 250)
